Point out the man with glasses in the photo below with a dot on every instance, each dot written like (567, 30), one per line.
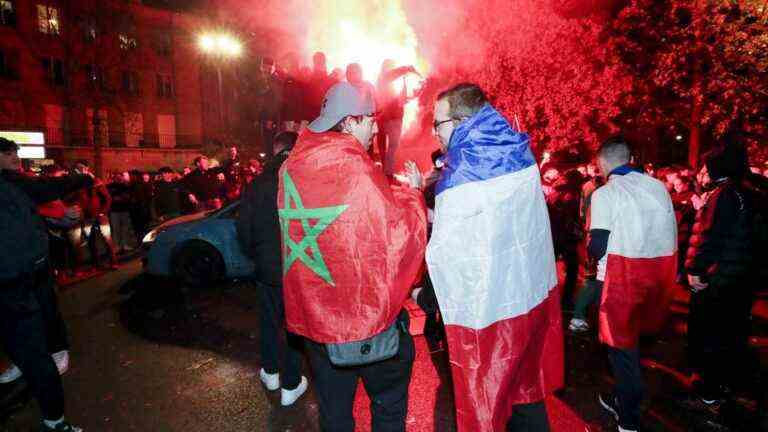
(30, 321)
(492, 265)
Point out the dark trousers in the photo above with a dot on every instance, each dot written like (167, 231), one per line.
(589, 295)
(625, 365)
(386, 383)
(718, 334)
(31, 329)
(280, 349)
(529, 418)
(570, 256)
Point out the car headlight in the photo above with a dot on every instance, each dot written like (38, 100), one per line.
(150, 237)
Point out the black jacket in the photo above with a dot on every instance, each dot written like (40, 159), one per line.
(721, 247)
(23, 235)
(202, 184)
(258, 226)
(169, 198)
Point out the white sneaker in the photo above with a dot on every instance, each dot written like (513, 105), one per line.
(578, 325)
(271, 381)
(621, 429)
(10, 375)
(61, 359)
(288, 397)
(13, 373)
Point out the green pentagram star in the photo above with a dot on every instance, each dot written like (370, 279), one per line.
(324, 216)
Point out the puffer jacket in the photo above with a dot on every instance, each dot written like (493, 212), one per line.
(721, 244)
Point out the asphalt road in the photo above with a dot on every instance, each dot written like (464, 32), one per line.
(146, 357)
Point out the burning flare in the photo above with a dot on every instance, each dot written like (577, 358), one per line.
(367, 32)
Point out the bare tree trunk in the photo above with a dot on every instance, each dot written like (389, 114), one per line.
(694, 144)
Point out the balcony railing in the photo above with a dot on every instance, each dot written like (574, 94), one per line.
(118, 139)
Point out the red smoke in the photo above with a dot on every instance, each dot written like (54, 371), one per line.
(542, 61)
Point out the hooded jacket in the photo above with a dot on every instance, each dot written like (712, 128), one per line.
(721, 244)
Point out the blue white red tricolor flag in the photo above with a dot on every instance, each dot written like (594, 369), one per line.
(492, 264)
(640, 265)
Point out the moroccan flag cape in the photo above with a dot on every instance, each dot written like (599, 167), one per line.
(352, 244)
(492, 264)
(640, 266)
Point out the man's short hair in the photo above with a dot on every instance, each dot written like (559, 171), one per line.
(464, 100)
(165, 170)
(287, 139)
(615, 149)
(198, 159)
(7, 146)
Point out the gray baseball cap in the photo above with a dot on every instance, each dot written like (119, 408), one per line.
(343, 99)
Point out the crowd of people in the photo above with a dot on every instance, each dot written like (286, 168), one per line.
(339, 243)
(291, 96)
(90, 229)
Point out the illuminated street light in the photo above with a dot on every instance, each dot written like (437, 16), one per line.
(679, 137)
(221, 47)
(220, 44)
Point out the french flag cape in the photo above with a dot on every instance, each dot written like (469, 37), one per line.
(492, 264)
(352, 244)
(640, 265)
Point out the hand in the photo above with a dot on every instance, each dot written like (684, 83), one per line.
(415, 293)
(696, 283)
(432, 178)
(698, 202)
(193, 199)
(415, 180)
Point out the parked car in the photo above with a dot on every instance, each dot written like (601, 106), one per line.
(197, 249)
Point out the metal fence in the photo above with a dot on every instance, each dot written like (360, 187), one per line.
(85, 138)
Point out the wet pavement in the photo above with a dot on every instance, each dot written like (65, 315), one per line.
(146, 357)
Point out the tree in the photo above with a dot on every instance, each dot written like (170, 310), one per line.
(552, 73)
(698, 63)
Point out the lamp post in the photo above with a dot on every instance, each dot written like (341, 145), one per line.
(220, 47)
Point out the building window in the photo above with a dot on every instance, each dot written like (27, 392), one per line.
(54, 70)
(48, 20)
(7, 13)
(9, 65)
(164, 86)
(131, 82)
(163, 43)
(127, 42)
(96, 76)
(90, 32)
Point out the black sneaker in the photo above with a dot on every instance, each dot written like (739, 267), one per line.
(610, 404)
(61, 427)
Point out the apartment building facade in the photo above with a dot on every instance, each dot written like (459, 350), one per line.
(111, 81)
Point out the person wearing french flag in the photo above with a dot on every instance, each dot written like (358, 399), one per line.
(633, 235)
(492, 264)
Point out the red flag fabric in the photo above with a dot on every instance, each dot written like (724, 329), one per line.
(352, 243)
(513, 361)
(639, 269)
(637, 294)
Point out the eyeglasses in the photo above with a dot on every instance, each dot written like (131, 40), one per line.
(437, 124)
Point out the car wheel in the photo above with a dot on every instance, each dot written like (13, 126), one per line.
(198, 264)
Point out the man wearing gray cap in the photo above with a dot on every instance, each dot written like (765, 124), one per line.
(352, 247)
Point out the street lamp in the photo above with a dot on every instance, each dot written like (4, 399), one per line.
(221, 47)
